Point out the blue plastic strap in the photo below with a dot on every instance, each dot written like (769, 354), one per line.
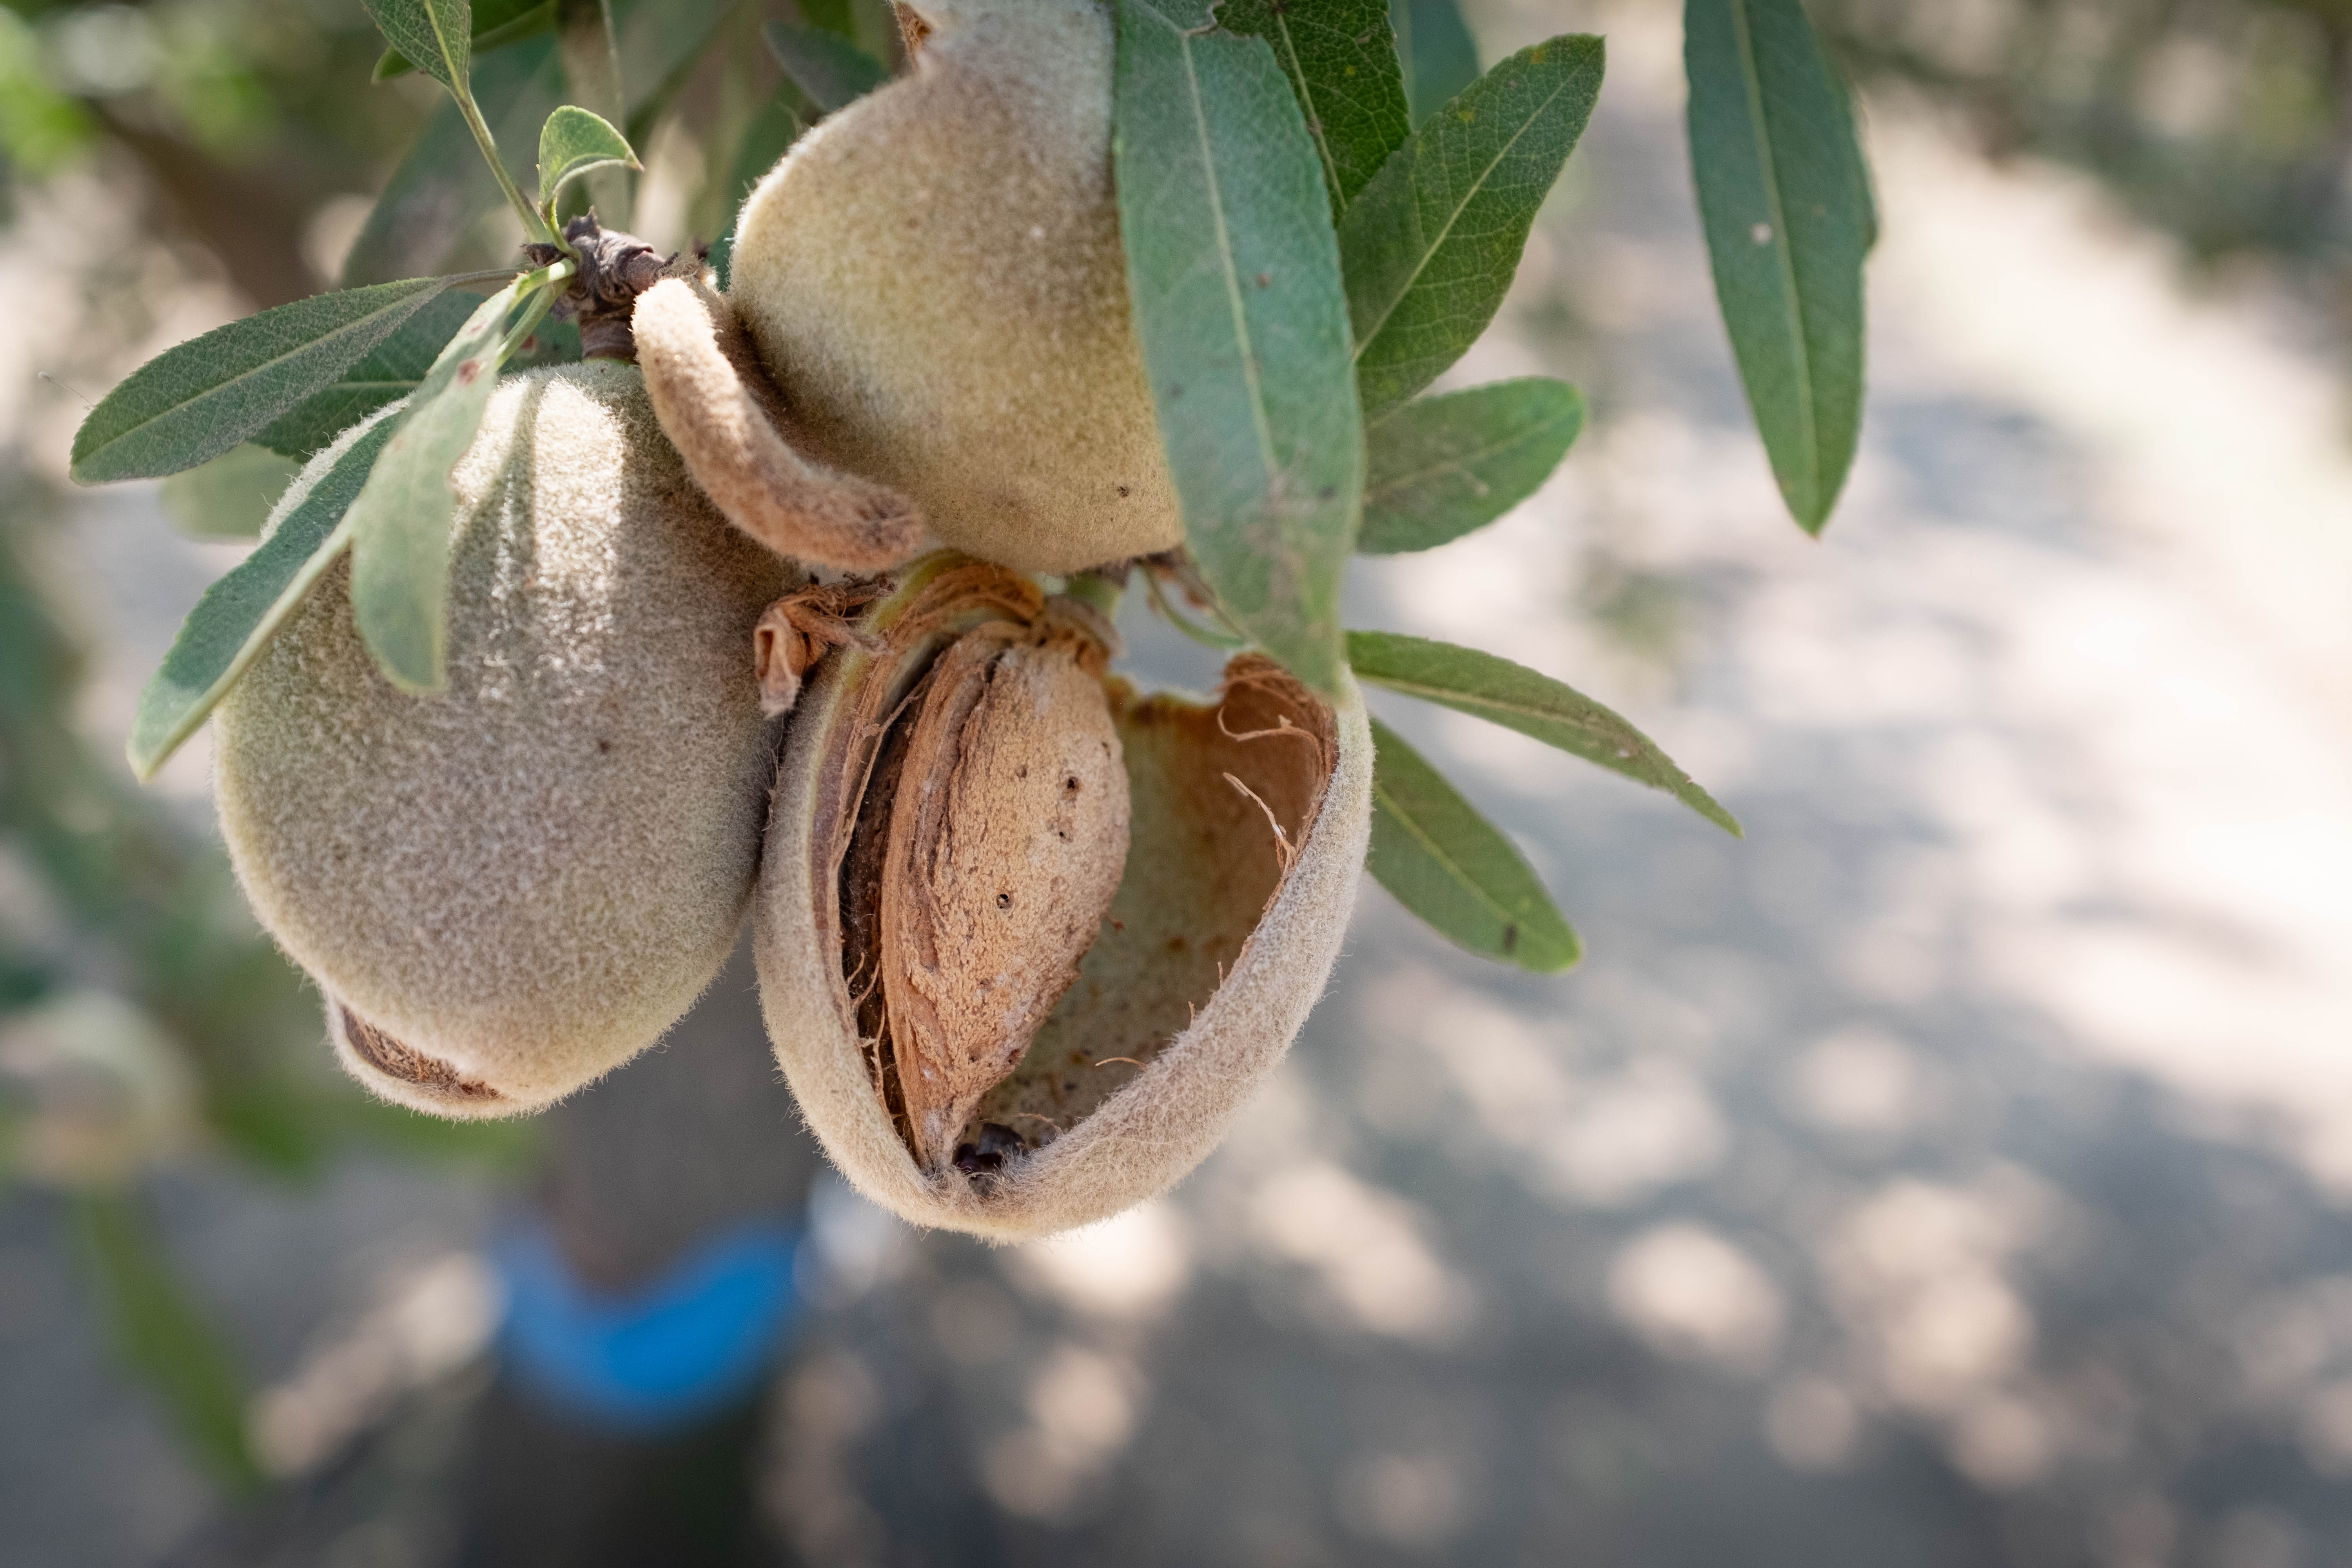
(681, 1347)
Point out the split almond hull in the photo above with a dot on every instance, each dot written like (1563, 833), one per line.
(1221, 939)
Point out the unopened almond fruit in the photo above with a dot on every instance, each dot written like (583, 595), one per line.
(933, 277)
(509, 887)
(1028, 938)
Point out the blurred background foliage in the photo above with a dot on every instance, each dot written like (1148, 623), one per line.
(143, 1016)
(142, 1013)
(2226, 122)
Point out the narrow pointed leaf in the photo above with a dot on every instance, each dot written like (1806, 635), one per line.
(1438, 467)
(573, 142)
(442, 188)
(1432, 243)
(1234, 275)
(1518, 698)
(1457, 870)
(191, 403)
(497, 24)
(1342, 64)
(400, 519)
(437, 36)
(1434, 47)
(230, 497)
(385, 374)
(238, 615)
(831, 70)
(1785, 202)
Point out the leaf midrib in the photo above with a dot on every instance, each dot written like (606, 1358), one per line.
(1633, 749)
(457, 84)
(1382, 795)
(411, 384)
(1455, 215)
(1315, 122)
(1225, 247)
(1783, 251)
(1454, 697)
(217, 388)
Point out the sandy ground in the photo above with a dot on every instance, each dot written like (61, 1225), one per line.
(1952, 1172)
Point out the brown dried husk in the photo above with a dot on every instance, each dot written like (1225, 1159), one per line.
(1249, 816)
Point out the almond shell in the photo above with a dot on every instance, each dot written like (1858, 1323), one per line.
(1220, 939)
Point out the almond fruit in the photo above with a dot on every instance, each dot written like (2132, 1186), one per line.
(933, 277)
(507, 887)
(1015, 1069)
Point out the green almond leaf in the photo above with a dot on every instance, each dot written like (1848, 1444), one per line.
(400, 520)
(1434, 46)
(230, 497)
(1234, 276)
(442, 188)
(435, 36)
(1518, 698)
(385, 374)
(1441, 466)
(1455, 869)
(573, 142)
(1785, 198)
(1342, 63)
(1434, 241)
(195, 402)
(497, 24)
(831, 70)
(238, 615)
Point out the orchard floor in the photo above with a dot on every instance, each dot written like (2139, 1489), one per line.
(1955, 1171)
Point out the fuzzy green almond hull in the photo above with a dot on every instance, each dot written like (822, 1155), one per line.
(1221, 934)
(509, 887)
(933, 277)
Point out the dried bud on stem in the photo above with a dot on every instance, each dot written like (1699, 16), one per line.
(614, 269)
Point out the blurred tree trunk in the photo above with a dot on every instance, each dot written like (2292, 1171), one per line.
(252, 221)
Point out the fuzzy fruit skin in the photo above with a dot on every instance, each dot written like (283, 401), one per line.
(933, 277)
(1150, 1133)
(524, 878)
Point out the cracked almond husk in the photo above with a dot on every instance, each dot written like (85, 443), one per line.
(1028, 938)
